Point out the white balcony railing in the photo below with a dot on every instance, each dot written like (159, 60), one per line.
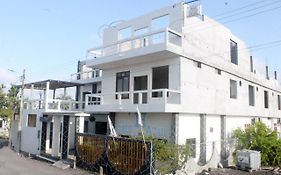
(157, 96)
(85, 75)
(163, 36)
(53, 105)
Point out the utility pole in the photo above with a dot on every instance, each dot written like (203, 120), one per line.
(21, 107)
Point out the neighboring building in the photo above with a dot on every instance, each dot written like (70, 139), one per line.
(191, 78)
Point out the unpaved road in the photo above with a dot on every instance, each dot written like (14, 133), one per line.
(13, 164)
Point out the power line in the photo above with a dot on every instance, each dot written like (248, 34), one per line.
(240, 8)
(249, 10)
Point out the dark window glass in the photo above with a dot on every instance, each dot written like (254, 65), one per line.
(233, 52)
(266, 99)
(160, 77)
(123, 83)
(233, 89)
(251, 96)
(31, 120)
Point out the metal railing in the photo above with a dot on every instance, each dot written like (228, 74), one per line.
(56, 105)
(155, 96)
(162, 36)
(85, 75)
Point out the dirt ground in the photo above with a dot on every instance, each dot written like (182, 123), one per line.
(238, 172)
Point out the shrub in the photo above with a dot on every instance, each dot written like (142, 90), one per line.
(259, 137)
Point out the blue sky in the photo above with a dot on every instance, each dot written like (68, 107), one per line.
(47, 38)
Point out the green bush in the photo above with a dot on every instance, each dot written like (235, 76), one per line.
(168, 156)
(260, 138)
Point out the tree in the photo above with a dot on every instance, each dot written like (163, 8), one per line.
(9, 103)
(261, 138)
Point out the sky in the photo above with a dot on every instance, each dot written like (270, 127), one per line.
(47, 38)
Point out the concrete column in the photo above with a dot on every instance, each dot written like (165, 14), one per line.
(31, 91)
(223, 154)
(81, 124)
(47, 94)
(56, 135)
(175, 128)
(203, 129)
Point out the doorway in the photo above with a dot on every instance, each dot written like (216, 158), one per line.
(140, 84)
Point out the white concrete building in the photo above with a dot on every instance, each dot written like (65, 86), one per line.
(191, 78)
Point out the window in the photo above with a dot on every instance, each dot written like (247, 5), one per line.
(143, 41)
(251, 64)
(233, 52)
(123, 83)
(125, 33)
(251, 96)
(160, 22)
(191, 147)
(279, 102)
(267, 72)
(233, 89)
(31, 122)
(197, 64)
(266, 99)
(140, 84)
(86, 126)
(160, 79)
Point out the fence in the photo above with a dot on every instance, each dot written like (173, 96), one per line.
(116, 155)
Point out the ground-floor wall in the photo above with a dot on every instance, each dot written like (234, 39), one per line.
(36, 140)
(202, 131)
(157, 125)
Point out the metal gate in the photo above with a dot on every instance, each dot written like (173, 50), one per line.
(117, 156)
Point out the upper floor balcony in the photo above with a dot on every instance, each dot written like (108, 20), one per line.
(49, 102)
(156, 100)
(87, 76)
(159, 44)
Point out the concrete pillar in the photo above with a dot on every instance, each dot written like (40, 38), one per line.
(81, 124)
(175, 128)
(47, 94)
(56, 135)
(203, 132)
(223, 154)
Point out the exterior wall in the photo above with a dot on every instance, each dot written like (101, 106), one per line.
(109, 76)
(174, 14)
(154, 124)
(31, 136)
(205, 91)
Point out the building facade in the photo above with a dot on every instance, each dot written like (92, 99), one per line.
(192, 80)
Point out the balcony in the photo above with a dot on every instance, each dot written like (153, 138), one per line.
(159, 44)
(53, 105)
(86, 76)
(50, 104)
(157, 100)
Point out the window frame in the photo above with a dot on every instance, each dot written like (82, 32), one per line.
(266, 99)
(233, 52)
(251, 92)
(31, 123)
(122, 76)
(233, 84)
